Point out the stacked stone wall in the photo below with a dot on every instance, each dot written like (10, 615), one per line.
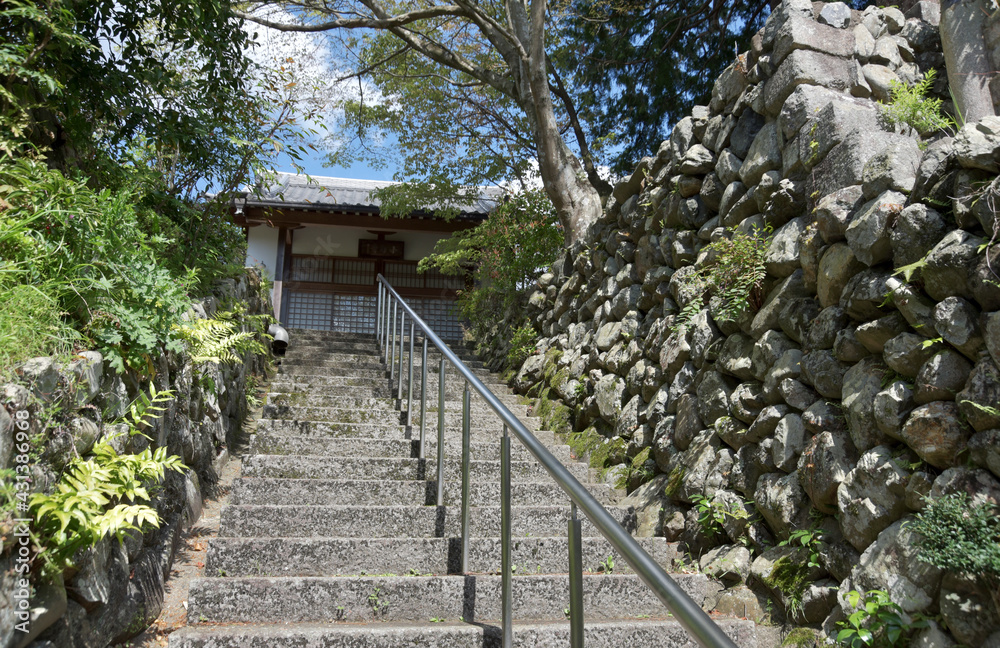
(864, 378)
(117, 589)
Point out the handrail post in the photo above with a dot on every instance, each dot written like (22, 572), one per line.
(440, 457)
(575, 580)
(423, 401)
(399, 386)
(466, 476)
(409, 383)
(378, 311)
(507, 595)
(392, 359)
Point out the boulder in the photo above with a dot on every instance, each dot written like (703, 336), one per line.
(950, 264)
(864, 296)
(735, 356)
(978, 402)
(834, 212)
(873, 335)
(751, 461)
(836, 268)
(977, 145)
(907, 352)
(763, 156)
(768, 349)
(713, 397)
(844, 165)
(806, 67)
(728, 563)
(768, 317)
(892, 405)
(984, 450)
(869, 232)
(968, 609)
(861, 383)
(789, 442)
(942, 377)
(783, 253)
(797, 316)
(936, 433)
(957, 321)
(823, 465)
(822, 370)
(846, 347)
(746, 402)
(803, 33)
(782, 502)
(745, 131)
(835, 14)
(916, 230)
(609, 392)
(824, 328)
(872, 496)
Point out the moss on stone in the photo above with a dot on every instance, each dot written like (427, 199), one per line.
(674, 481)
(800, 638)
(791, 579)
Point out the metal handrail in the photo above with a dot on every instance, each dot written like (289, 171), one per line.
(690, 615)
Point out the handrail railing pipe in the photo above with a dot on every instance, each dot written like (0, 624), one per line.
(399, 374)
(688, 613)
(506, 586)
(409, 383)
(466, 476)
(423, 401)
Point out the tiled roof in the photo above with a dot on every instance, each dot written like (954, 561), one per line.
(295, 191)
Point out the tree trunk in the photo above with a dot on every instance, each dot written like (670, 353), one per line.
(966, 57)
(576, 200)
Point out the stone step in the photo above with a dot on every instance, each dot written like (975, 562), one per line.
(401, 521)
(397, 492)
(421, 598)
(320, 467)
(482, 417)
(366, 430)
(382, 389)
(237, 557)
(268, 444)
(478, 406)
(662, 633)
(453, 384)
(348, 361)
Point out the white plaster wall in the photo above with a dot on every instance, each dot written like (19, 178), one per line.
(262, 249)
(343, 241)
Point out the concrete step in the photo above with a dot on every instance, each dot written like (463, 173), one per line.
(478, 406)
(421, 598)
(238, 557)
(482, 417)
(368, 430)
(320, 467)
(307, 381)
(397, 492)
(401, 521)
(269, 444)
(662, 633)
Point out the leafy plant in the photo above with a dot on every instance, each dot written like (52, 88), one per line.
(636, 471)
(736, 277)
(607, 565)
(522, 345)
(810, 539)
(961, 537)
(877, 622)
(219, 339)
(910, 105)
(711, 514)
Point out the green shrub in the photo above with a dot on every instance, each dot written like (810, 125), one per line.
(876, 622)
(522, 345)
(909, 104)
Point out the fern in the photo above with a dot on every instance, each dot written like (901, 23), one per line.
(910, 105)
(219, 340)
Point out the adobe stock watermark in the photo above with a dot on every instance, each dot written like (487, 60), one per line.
(22, 537)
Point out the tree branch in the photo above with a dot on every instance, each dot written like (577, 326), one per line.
(354, 23)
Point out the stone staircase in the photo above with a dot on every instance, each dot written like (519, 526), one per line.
(332, 538)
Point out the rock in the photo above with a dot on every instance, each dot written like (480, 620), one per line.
(789, 365)
(949, 265)
(764, 155)
(916, 231)
(744, 133)
(979, 485)
(751, 461)
(746, 402)
(942, 377)
(825, 373)
(767, 350)
(727, 169)
(846, 347)
(530, 372)
(993, 336)
(735, 356)
(864, 44)
(782, 502)
(713, 397)
(782, 257)
(797, 316)
(864, 296)
(968, 609)
(609, 391)
(818, 600)
(835, 14)
(789, 441)
(787, 201)
(837, 266)
(41, 375)
(886, 52)
(717, 132)
(766, 422)
(768, 317)
(891, 564)
(805, 67)
(891, 407)
(824, 416)
(880, 79)
(700, 461)
(697, 160)
(936, 433)
(978, 402)
(893, 169)
(804, 33)
(727, 87)
(834, 212)
(797, 395)
(874, 334)
(823, 465)
(90, 586)
(985, 288)
(89, 371)
(683, 383)
(844, 165)
(861, 383)
(687, 423)
(704, 337)
(957, 321)
(730, 563)
(832, 125)
(85, 433)
(977, 145)
(915, 307)
(869, 231)
(906, 353)
(984, 450)
(732, 431)
(824, 327)
(872, 497)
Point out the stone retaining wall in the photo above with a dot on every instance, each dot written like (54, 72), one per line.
(118, 589)
(852, 390)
